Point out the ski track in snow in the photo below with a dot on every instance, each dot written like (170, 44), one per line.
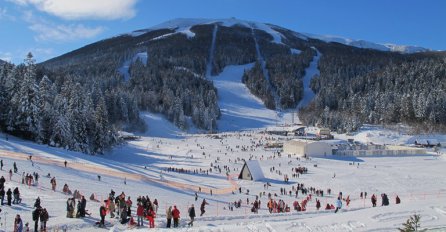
(211, 52)
(265, 70)
(309, 74)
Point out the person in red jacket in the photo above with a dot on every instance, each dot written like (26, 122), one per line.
(140, 214)
(176, 216)
(102, 212)
(151, 217)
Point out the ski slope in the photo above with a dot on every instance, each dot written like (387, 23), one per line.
(239, 108)
(310, 72)
(418, 180)
(124, 69)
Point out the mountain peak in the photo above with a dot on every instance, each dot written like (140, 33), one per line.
(183, 25)
(367, 44)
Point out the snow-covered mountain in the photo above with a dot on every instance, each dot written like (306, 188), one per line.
(183, 25)
(370, 45)
(169, 67)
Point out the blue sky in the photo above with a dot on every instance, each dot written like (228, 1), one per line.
(49, 28)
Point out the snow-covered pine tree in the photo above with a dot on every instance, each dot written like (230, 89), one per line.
(24, 102)
(102, 138)
(46, 115)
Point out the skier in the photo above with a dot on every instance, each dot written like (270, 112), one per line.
(2, 195)
(191, 212)
(397, 200)
(111, 207)
(9, 196)
(140, 214)
(37, 203)
(384, 200)
(373, 199)
(43, 219)
(203, 204)
(155, 205)
(176, 216)
(71, 204)
(84, 206)
(102, 213)
(18, 224)
(151, 217)
(347, 200)
(53, 183)
(338, 204)
(169, 216)
(36, 216)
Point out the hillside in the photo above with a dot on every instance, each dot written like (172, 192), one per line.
(173, 68)
(190, 50)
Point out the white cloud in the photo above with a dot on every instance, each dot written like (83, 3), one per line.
(49, 31)
(84, 9)
(70, 32)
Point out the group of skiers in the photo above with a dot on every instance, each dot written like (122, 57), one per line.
(145, 210)
(81, 207)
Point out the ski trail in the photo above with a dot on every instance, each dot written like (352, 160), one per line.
(264, 70)
(124, 69)
(310, 71)
(211, 52)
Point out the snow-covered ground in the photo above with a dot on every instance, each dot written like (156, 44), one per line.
(418, 180)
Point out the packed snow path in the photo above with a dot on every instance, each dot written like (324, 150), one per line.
(211, 52)
(310, 72)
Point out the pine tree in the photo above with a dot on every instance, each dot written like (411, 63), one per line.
(25, 111)
(102, 132)
(412, 224)
(47, 93)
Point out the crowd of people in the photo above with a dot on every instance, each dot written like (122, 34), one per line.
(121, 208)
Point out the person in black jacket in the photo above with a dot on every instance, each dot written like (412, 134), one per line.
(384, 200)
(9, 196)
(191, 215)
(16, 194)
(37, 203)
(36, 216)
(2, 181)
(2, 195)
(43, 219)
(83, 206)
